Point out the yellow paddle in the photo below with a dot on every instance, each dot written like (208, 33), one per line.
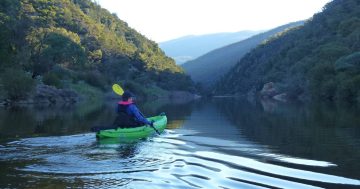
(117, 89)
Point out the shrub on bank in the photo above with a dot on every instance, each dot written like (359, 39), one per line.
(17, 84)
(52, 79)
(87, 91)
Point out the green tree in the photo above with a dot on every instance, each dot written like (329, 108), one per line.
(17, 84)
(50, 46)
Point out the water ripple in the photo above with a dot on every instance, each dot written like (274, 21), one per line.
(171, 161)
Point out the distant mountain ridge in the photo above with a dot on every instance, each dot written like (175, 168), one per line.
(190, 47)
(208, 68)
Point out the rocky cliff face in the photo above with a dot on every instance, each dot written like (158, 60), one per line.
(45, 94)
(51, 95)
(271, 91)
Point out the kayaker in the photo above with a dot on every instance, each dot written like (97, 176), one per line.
(128, 113)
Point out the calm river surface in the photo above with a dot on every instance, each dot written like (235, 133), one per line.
(215, 143)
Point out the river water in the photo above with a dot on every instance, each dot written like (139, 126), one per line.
(213, 143)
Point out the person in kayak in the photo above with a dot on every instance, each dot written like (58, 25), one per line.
(129, 115)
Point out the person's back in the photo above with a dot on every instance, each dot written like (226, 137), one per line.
(128, 114)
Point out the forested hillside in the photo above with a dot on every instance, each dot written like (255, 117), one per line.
(209, 68)
(76, 42)
(319, 60)
(188, 48)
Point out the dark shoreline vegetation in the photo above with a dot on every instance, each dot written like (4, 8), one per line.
(76, 49)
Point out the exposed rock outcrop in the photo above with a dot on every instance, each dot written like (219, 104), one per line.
(51, 95)
(271, 91)
(45, 94)
(281, 97)
(268, 90)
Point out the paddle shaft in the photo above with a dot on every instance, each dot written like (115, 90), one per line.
(152, 126)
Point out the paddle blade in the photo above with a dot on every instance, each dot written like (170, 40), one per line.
(117, 89)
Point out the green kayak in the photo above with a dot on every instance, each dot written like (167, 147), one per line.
(135, 133)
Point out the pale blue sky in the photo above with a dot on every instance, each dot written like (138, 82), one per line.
(162, 20)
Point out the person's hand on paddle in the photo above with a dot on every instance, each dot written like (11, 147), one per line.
(152, 123)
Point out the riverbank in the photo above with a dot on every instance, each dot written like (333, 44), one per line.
(46, 95)
(49, 95)
(156, 94)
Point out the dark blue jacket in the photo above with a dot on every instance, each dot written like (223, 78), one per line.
(133, 112)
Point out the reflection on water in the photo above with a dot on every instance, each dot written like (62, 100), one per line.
(216, 143)
(55, 120)
(322, 131)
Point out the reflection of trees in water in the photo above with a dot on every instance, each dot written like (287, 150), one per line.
(176, 112)
(128, 150)
(60, 120)
(174, 124)
(75, 119)
(27, 181)
(16, 122)
(170, 108)
(325, 131)
(54, 120)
